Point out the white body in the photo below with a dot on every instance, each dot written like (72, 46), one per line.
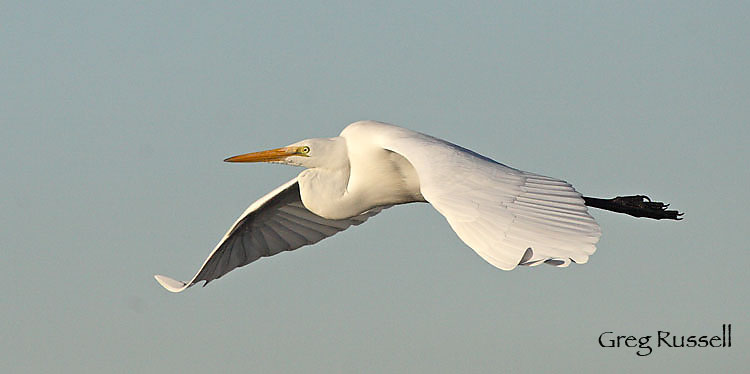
(508, 216)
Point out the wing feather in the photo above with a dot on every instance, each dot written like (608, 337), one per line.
(508, 216)
(274, 223)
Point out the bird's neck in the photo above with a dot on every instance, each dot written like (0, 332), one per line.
(324, 193)
(345, 192)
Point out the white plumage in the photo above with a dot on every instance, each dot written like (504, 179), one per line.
(508, 216)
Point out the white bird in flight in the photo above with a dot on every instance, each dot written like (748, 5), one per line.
(508, 216)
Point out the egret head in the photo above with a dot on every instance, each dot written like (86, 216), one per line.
(309, 153)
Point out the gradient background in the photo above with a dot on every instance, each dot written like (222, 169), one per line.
(116, 116)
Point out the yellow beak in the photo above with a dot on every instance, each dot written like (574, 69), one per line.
(264, 156)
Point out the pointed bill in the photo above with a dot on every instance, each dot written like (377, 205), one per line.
(277, 154)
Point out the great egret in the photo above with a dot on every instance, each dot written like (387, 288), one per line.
(508, 216)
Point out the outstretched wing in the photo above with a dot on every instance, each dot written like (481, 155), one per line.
(508, 216)
(274, 223)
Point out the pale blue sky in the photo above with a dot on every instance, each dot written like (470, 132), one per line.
(116, 116)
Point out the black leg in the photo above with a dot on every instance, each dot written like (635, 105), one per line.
(636, 206)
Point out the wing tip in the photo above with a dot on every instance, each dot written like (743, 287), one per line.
(170, 284)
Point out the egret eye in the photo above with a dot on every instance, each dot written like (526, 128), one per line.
(304, 150)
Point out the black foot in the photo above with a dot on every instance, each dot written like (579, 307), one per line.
(636, 206)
